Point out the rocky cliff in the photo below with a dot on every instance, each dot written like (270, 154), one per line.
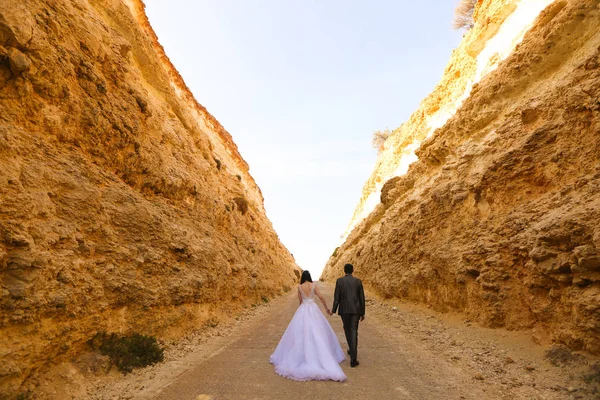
(124, 205)
(498, 214)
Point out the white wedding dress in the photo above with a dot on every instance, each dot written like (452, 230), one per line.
(309, 349)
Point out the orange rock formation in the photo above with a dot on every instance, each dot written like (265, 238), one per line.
(124, 205)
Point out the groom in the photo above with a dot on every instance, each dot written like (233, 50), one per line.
(350, 297)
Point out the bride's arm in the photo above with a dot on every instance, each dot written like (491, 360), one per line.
(299, 295)
(318, 293)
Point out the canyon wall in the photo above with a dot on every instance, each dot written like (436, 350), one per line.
(498, 214)
(124, 205)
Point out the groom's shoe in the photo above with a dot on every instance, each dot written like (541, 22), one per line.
(354, 363)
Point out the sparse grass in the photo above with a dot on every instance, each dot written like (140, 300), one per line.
(560, 355)
(463, 14)
(212, 323)
(335, 252)
(593, 376)
(265, 299)
(128, 352)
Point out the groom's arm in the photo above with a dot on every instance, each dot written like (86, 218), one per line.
(362, 301)
(336, 297)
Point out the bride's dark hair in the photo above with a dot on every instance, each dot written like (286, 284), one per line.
(305, 277)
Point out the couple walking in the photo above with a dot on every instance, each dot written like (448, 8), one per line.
(309, 349)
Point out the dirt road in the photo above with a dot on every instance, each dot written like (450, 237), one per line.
(405, 352)
(242, 370)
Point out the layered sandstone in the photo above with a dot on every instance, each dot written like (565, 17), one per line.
(124, 205)
(498, 215)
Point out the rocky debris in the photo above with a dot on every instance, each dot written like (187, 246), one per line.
(507, 363)
(498, 217)
(19, 62)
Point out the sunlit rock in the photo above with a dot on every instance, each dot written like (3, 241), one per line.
(487, 200)
(124, 205)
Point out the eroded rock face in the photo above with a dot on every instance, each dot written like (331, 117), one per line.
(500, 216)
(124, 205)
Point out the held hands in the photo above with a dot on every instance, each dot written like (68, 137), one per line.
(329, 312)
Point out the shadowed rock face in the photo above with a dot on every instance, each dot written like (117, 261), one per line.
(499, 217)
(124, 205)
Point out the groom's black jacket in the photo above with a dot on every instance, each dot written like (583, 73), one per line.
(349, 296)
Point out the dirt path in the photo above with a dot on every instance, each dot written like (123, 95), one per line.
(242, 370)
(405, 353)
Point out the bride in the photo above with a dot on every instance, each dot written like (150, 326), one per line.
(309, 349)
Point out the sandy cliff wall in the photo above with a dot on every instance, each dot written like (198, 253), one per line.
(498, 217)
(501, 25)
(124, 205)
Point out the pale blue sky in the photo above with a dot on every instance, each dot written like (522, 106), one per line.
(301, 86)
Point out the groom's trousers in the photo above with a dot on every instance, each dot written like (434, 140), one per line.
(351, 330)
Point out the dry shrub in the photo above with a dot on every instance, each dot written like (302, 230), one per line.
(463, 14)
(379, 138)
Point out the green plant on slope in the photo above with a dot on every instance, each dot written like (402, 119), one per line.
(128, 352)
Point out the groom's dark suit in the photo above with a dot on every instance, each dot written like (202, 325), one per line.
(349, 296)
